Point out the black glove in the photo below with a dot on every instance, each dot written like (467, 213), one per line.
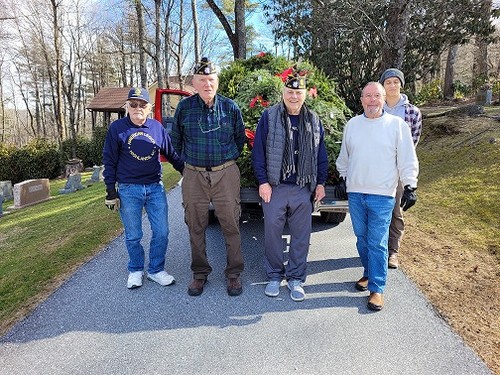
(340, 189)
(112, 201)
(409, 197)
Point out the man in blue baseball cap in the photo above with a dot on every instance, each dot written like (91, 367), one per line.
(132, 174)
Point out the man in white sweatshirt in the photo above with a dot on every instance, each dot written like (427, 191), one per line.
(377, 151)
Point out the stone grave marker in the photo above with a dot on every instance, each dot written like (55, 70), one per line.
(73, 166)
(96, 175)
(31, 192)
(6, 189)
(73, 184)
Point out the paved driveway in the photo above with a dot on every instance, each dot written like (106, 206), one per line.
(94, 325)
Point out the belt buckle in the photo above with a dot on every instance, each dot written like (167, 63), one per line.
(208, 169)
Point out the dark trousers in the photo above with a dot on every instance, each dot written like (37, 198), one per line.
(292, 204)
(397, 227)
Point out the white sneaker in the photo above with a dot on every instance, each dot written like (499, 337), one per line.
(134, 280)
(162, 278)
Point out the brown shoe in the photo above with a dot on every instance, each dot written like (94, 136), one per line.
(375, 301)
(393, 260)
(196, 287)
(362, 284)
(234, 287)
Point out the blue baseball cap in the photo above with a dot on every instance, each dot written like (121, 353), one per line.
(138, 94)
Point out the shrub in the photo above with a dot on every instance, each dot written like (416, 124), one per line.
(88, 150)
(430, 92)
(38, 159)
(461, 89)
(496, 89)
(41, 159)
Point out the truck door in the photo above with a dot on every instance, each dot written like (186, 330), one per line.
(166, 101)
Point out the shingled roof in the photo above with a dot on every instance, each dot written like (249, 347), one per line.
(109, 99)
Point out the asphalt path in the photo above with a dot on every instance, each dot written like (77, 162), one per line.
(94, 325)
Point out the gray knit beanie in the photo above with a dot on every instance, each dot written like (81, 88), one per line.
(393, 72)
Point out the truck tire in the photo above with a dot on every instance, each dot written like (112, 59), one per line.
(333, 217)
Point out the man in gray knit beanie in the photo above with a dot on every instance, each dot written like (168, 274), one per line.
(398, 104)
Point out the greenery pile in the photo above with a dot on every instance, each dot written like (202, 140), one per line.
(255, 84)
(43, 159)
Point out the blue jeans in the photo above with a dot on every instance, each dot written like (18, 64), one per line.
(151, 197)
(371, 216)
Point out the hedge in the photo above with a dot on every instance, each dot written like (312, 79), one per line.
(43, 159)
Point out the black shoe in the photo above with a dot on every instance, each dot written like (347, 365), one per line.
(234, 287)
(196, 287)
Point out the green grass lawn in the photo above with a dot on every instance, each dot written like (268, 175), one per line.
(42, 244)
(458, 194)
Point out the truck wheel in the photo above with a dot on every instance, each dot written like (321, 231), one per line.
(333, 217)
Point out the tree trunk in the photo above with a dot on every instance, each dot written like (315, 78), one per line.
(240, 28)
(450, 72)
(196, 31)
(480, 63)
(180, 46)
(59, 112)
(168, 46)
(123, 65)
(159, 73)
(238, 38)
(2, 108)
(393, 51)
(142, 57)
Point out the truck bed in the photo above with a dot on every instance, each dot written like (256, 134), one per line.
(331, 209)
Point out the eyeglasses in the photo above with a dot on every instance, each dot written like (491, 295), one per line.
(206, 128)
(135, 105)
(374, 96)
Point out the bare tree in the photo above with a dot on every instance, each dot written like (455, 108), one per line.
(238, 37)
(34, 68)
(141, 31)
(168, 40)
(196, 30)
(177, 49)
(58, 99)
(157, 56)
(3, 117)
